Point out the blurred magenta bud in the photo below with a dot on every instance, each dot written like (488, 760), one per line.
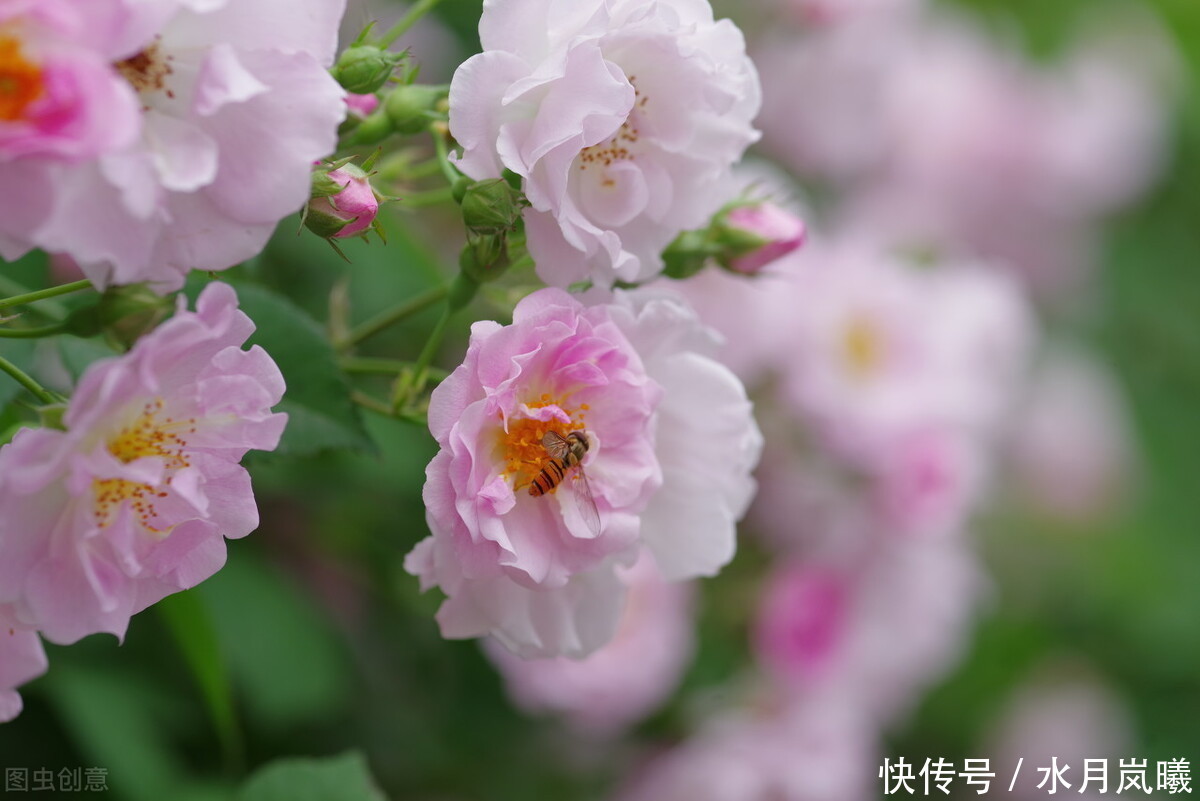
(752, 235)
(343, 203)
(361, 105)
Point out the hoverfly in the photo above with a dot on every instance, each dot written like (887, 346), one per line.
(566, 453)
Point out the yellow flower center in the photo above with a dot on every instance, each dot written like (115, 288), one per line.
(21, 81)
(147, 435)
(862, 347)
(521, 447)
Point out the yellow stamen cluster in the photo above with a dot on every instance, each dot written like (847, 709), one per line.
(21, 81)
(862, 347)
(147, 435)
(521, 446)
(605, 153)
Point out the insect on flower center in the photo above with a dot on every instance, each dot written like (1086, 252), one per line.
(617, 148)
(21, 80)
(521, 446)
(150, 434)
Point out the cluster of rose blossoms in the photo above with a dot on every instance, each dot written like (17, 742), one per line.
(151, 139)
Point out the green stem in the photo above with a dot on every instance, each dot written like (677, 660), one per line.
(372, 366)
(392, 316)
(54, 291)
(432, 197)
(421, 368)
(419, 9)
(443, 157)
(31, 333)
(379, 407)
(22, 378)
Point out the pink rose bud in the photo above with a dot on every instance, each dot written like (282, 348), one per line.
(361, 105)
(343, 204)
(757, 234)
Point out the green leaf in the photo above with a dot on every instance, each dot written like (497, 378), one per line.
(341, 778)
(321, 415)
(190, 623)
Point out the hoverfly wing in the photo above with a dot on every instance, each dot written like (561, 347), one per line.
(556, 445)
(582, 497)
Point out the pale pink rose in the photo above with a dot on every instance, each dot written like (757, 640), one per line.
(21, 659)
(784, 752)
(764, 233)
(883, 347)
(873, 631)
(236, 104)
(1071, 451)
(62, 104)
(134, 500)
(620, 117)
(1064, 711)
(671, 444)
(625, 680)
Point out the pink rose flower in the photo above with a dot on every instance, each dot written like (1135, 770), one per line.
(361, 105)
(620, 117)
(134, 500)
(670, 446)
(625, 680)
(231, 111)
(872, 630)
(21, 659)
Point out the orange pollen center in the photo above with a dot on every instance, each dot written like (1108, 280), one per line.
(147, 71)
(20, 80)
(521, 446)
(862, 347)
(147, 435)
(604, 154)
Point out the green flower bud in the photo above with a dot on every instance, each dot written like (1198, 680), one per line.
(362, 68)
(124, 313)
(411, 108)
(484, 258)
(492, 206)
(687, 255)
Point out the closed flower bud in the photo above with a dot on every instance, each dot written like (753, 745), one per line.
(411, 108)
(349, 210)
(492, 206)
(752, 235)
(363, 69)
(687, 255)
(124, 313)
(484, 258)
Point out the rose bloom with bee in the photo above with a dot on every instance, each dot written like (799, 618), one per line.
(572, 440)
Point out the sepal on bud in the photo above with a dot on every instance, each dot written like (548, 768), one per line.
(123, 313)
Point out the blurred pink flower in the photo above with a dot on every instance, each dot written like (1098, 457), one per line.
(791, 752)
(883, 348)
(619, 117)
(134, 500)
(872, 631)
(1071, 451)
(820, 13)
(1067, 712)
(671, 444)
(21, 659)
(236, 104)
(625, 680)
